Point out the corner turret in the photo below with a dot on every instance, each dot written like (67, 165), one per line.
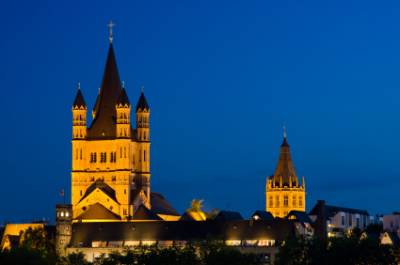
(79, 110)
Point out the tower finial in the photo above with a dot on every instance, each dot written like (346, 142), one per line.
(142, 89)
(284, 131)
(123, 84)
(79, 85)
(110, 26)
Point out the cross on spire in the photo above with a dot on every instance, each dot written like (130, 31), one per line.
(110, 26)
(284, 131)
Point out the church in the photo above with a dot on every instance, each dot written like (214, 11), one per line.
(111, 157)
(284, 192)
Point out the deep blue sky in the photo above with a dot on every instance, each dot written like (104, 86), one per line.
(222, 77)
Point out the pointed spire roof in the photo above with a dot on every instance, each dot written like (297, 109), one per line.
(285, 167)
(142, 103)
(123, 98)
(79, 100)
(103, 125)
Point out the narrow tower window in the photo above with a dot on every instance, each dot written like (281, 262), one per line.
(144, 155)
(286, 201)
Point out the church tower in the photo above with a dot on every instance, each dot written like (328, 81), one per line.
(284, 192)
(111, 159)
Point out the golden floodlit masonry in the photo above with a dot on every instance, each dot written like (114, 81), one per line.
(284, 192)
(110, 158)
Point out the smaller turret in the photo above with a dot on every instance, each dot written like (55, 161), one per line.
(79, 110)
(143, 118)
(63, 227)
(123, 112)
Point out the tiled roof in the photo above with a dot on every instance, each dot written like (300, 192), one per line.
(85, 233)
(79, 100)
(142, 103)
(103, 125)
(98, 211)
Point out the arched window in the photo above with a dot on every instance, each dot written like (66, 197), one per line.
(144, 155)
(285, 201)
(300, 201)
(81, 154)
(294, 201)
(271, 201)
(277, 201)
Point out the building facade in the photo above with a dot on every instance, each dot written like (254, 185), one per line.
(110, 157)
(284, 192)
(339, 221)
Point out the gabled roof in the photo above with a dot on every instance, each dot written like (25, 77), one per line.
(123, 98)
(98, 211)
(142, 103)
(103, 125)
(79, 100)
(333, 210)
(99, 184)
(262, 215)
(285, 167)
(142, 213)
(228, 216)
(299, 216)
(160, 205)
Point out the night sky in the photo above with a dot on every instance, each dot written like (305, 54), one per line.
(222, 78)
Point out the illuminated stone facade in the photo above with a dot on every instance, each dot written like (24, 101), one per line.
(110, 158)
(284, 192)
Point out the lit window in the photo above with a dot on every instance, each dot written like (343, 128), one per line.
(62, 214)
(66, 214)
(233, 242)
(286, 201)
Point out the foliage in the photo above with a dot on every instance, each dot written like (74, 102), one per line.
(348, 250)
(34, 249)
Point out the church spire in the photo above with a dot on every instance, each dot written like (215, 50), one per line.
(285, 167)
(103, 125)
(79, 100)
(142, 102)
